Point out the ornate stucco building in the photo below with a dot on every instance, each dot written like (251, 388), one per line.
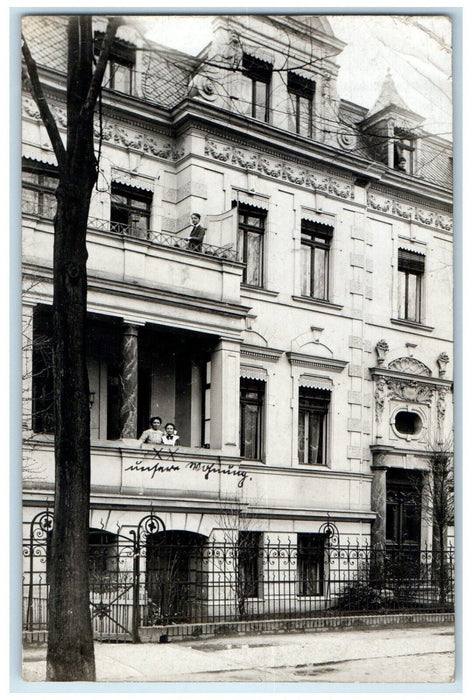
(304, 354)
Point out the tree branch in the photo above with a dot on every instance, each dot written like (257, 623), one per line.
(44, 110)
(97, 78)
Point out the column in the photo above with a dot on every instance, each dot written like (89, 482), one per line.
(129, 378)
(224, 400)
(379, 506)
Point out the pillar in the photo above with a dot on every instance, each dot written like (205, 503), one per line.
(379, 506)
(224, 399)
(129, 379)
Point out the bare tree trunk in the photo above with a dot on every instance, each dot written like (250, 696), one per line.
(70, 644)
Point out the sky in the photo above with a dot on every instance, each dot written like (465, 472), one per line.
(416, 49)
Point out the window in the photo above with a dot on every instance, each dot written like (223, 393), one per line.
(252, 403)
(130, 210)
(39, 184)
(248, 564)
(300, 104)
(256, 76)
(313, 405)
(408, 423)
(120, 69)
(310, 560)
(403, 154)
(42, 379)
(250, 244)
(316, 241)
(410, 275)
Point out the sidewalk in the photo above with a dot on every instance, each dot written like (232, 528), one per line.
(387, 655)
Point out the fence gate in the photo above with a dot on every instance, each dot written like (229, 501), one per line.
(118, 596)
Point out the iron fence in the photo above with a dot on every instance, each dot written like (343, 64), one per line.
(154, 577)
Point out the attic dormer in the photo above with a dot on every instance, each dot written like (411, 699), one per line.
(391, 129)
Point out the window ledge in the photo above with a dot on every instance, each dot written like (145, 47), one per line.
(411, 324)
(259, 290)
(318, 302)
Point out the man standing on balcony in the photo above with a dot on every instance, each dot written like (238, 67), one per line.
(196, 234)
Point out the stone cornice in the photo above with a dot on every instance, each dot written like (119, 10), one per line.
(260, 353)
(143, 293)
(324, 363)
(420, 379)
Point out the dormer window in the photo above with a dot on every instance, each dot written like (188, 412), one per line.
(256, 87)
(120, 68)
(403, 154)
(300, 104)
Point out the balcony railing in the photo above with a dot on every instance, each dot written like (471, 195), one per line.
(168, 240)
(162, 239)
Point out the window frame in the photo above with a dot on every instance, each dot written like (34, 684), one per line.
(313, 403)
(130, 193)
(316, 236)
(246, 228)
(299, 87)
(410, 271)
(123, 55)
(257, 386)
(258, 71)
(42, 171)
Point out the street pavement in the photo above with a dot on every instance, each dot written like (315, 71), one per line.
(416, 654)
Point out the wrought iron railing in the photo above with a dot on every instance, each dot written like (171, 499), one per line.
(145, 579)
(163, 239)
(167, 240)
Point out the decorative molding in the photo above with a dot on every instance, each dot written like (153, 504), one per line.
(410, 390)
(409, 365)
(259, 353)
(112, 132)
(380, 394)
(279, 169)
(410, 213)
(441, 409)
(381, 349)
(324, 363)
(442, 361)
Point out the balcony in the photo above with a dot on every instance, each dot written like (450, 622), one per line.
(125, 253)
(225, 252)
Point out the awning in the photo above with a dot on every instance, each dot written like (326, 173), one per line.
(248, 372)
(312, 382)
(139, 182)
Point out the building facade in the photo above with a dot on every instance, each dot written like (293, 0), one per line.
(303, 352)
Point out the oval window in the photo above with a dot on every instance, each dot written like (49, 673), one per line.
(408, 423)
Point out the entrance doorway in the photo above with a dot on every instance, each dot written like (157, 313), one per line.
(403, 522)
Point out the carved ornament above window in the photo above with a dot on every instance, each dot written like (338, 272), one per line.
(409, 365)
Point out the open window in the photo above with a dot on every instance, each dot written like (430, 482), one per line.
(130, 210)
